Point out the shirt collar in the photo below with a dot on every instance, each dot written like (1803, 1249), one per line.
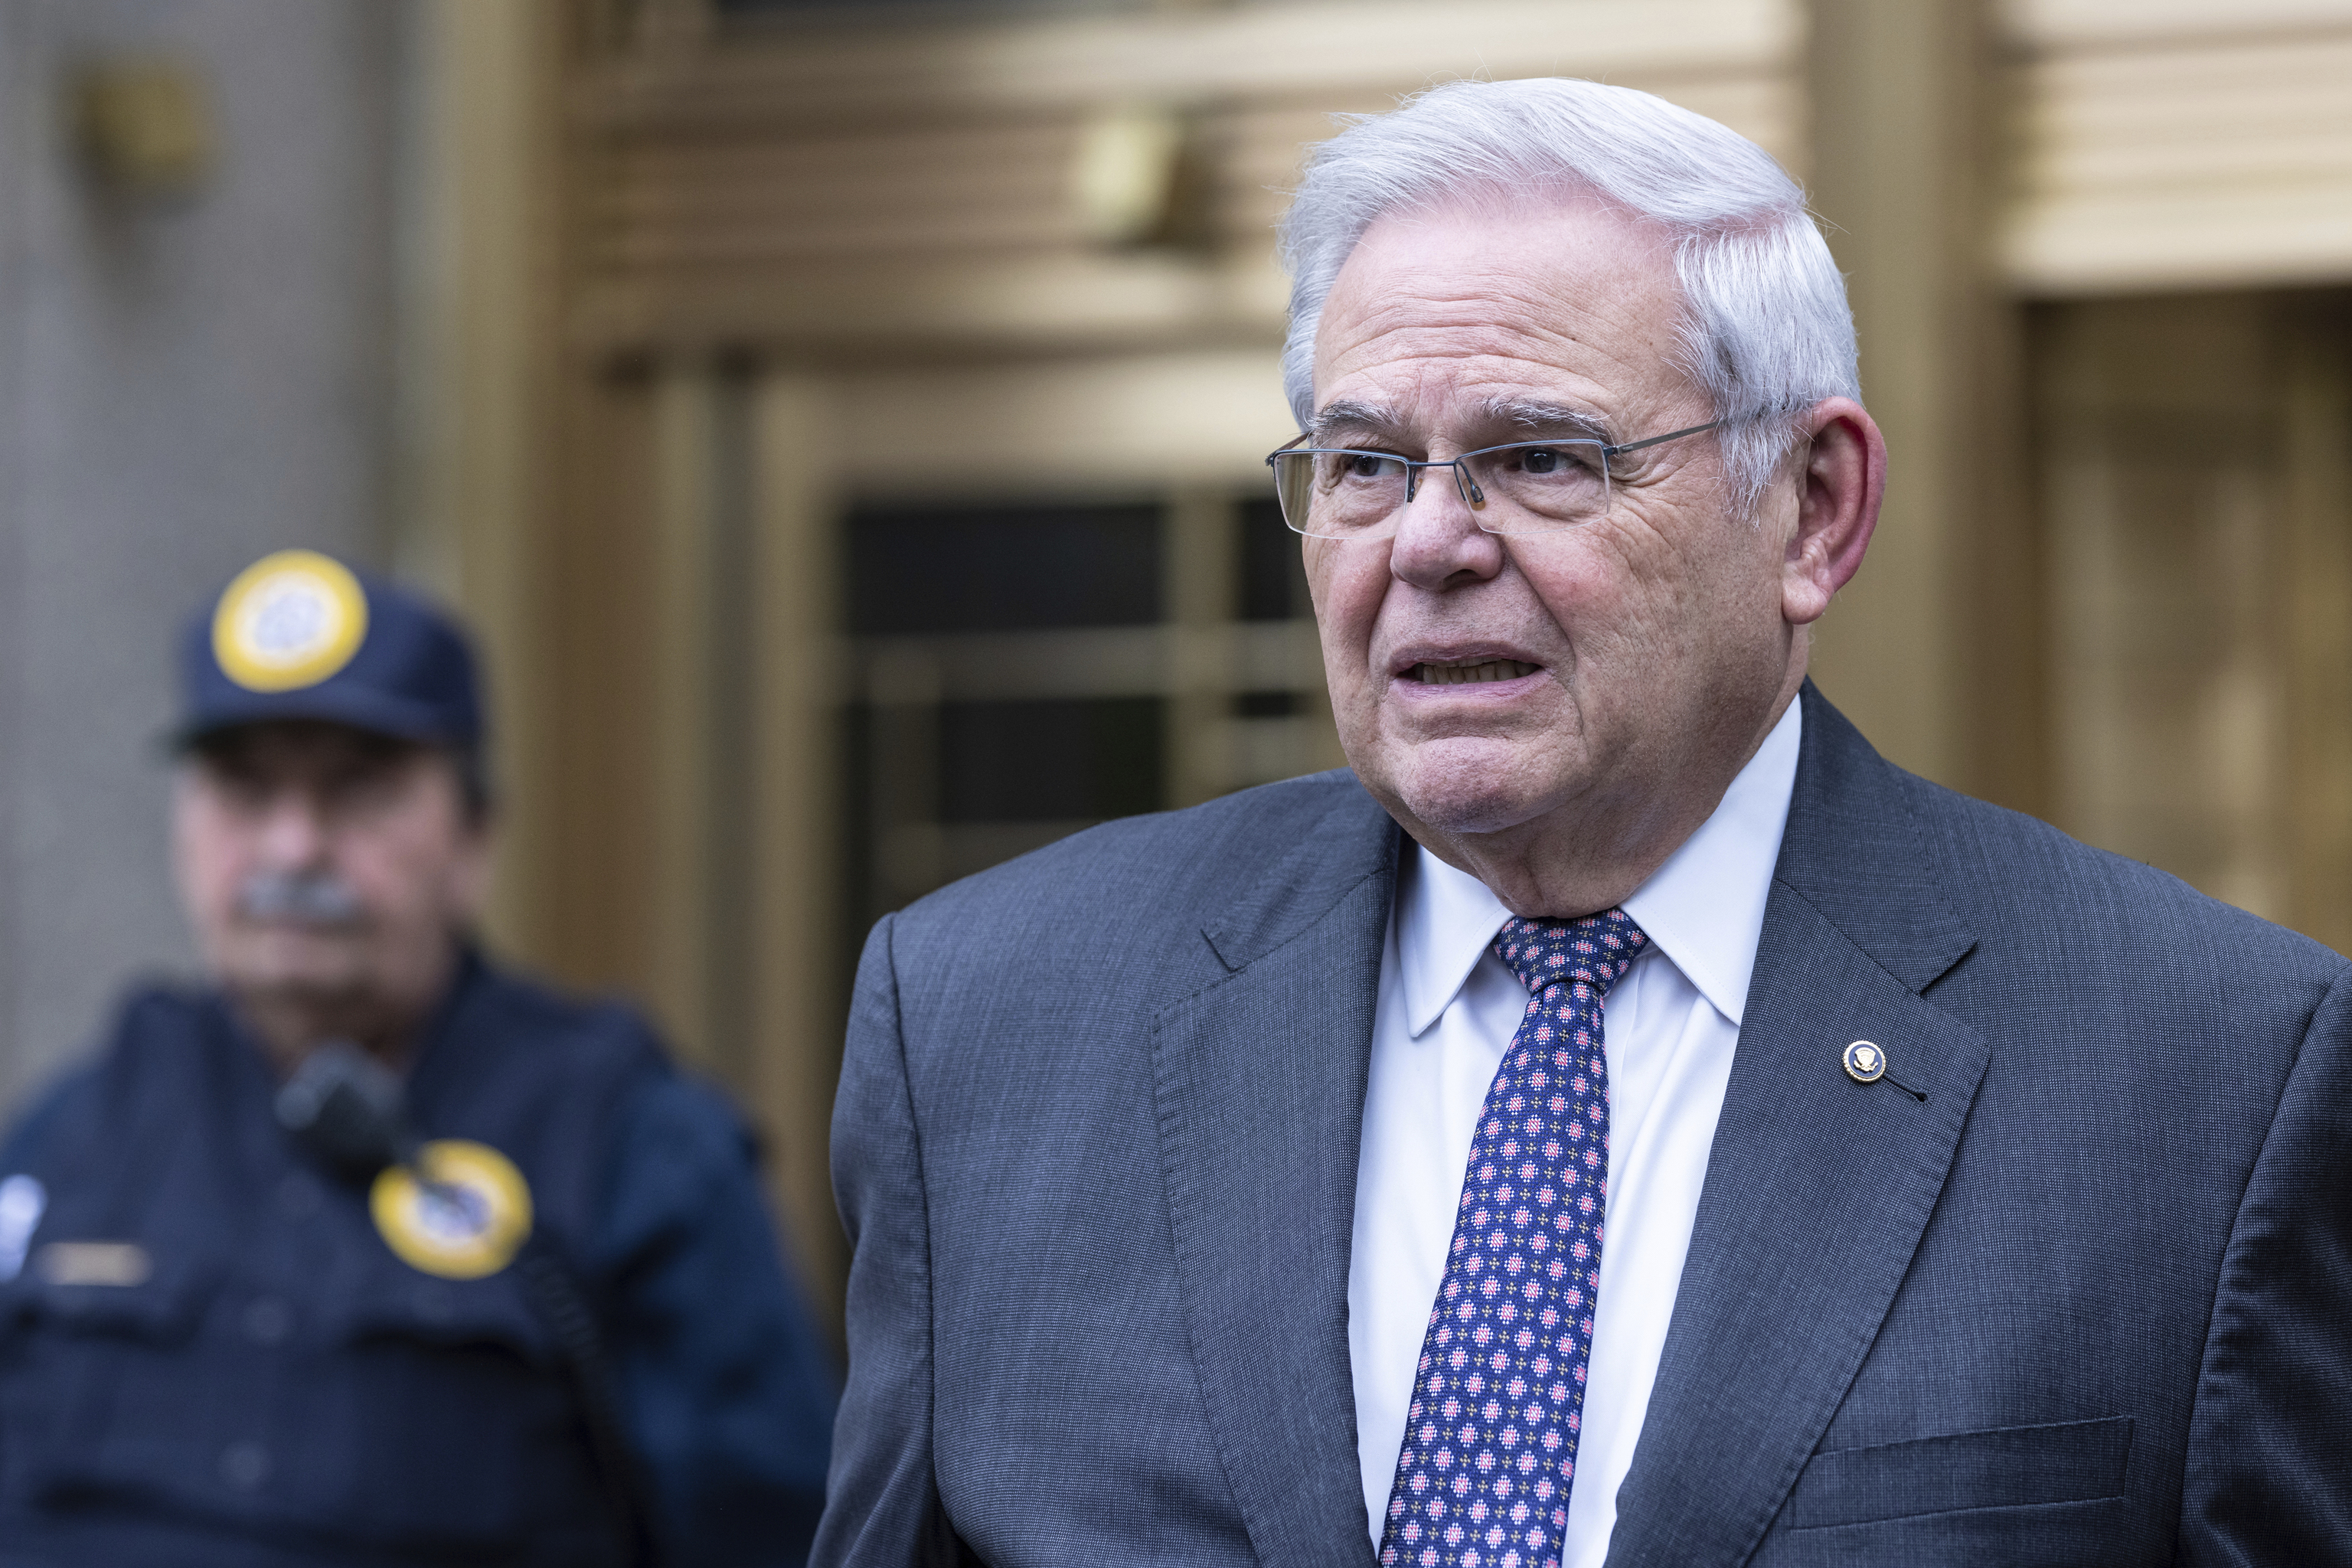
(1704, 909)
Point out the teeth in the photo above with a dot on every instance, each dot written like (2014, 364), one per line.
(1469, 674)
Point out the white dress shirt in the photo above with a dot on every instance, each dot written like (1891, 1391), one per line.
(1447, 1010)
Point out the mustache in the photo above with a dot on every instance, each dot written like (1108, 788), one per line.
(318, 899)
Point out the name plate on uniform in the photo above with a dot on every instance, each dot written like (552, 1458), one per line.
(93, 1263)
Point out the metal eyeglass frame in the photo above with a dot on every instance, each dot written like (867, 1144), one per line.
(1472, 496)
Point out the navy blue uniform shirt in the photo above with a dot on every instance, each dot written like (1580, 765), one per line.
(208, 1355)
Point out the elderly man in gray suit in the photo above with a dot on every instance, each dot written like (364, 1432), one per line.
(1623, 1119)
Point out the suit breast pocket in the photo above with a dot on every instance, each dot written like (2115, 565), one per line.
(2005, 1467)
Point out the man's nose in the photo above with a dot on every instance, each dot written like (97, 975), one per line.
(293, 831)
(1438, 542)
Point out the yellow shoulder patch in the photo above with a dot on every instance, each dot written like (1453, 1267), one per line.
(464, 1220)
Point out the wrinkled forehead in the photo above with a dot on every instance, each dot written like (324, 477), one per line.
(1558, 297)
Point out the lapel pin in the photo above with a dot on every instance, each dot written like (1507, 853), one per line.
(1865, 1062)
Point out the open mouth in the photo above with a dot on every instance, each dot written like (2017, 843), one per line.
(1472, 673)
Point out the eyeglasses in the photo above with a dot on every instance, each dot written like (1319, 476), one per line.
(1523, 487)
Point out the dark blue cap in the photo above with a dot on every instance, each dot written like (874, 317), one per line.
(299, 635)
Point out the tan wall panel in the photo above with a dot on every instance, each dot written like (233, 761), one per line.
(2315, 595)
(913, 186)
(2166, 688)
(1898, 102)
(2164, 147)
(601, 693)
(1132, 425)
(2057, 25)
(476, 361)
(1325, 52)
(799, 947)
(2196, 455)
(682, 651)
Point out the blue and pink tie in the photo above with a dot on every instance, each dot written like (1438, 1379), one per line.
(1490, 1439)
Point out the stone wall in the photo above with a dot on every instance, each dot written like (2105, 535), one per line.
(187, 379)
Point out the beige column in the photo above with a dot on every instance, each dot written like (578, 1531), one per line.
(478, 316)
(2314, 588)
(685, 528)
(798, 947)
(1197, 572)
(1929, 649)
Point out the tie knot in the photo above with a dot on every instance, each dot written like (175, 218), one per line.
(1594, 949)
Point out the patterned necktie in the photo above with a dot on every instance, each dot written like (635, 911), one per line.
(1490, 1439)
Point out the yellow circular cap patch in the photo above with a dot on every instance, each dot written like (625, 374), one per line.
(464, 1220)
(289, 620)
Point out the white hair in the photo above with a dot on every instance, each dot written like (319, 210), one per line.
(1767, 333)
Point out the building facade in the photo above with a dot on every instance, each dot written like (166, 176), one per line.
(845, 426)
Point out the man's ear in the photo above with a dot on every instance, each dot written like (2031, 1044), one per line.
(1840, 483)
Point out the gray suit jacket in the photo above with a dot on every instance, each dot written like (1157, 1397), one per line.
(2091, 1302)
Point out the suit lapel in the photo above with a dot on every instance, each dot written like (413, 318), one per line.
(1818, 1187)
(1259, 1088)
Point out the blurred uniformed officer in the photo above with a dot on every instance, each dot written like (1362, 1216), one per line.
(374, 1254)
